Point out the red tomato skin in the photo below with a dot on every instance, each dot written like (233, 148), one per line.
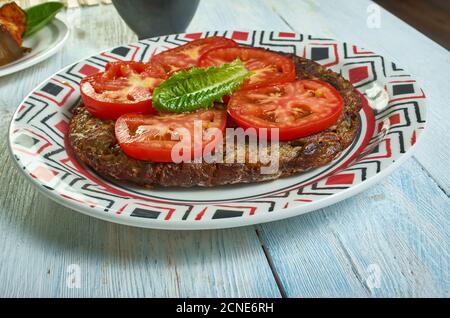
(244, 53)
(139, 153)
(97, 108)
(142, 152)
(108, 109)
(288, 134)
(135, 150)
(292, 133)
(221, 42)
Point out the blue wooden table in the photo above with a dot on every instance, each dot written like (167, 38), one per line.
(392, 240)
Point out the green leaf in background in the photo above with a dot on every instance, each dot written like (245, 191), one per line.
(196, 88)
(39, 15)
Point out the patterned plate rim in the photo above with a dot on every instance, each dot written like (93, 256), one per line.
(210, 223)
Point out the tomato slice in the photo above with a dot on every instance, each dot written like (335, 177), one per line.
(297, 109)
(188, 55)
(149, 137)
(122, 88)
(267, 67)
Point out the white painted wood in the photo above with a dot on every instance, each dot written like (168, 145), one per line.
(401, 224)
(398, 229)
(235, 15)
(40, 239)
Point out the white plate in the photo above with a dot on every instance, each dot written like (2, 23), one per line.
(43, 44)
(391, 123)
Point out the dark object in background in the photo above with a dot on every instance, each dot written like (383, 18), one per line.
(9, 49)
(431, 17)
(149, 18)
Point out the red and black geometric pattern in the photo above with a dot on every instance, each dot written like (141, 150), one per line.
(392, 120)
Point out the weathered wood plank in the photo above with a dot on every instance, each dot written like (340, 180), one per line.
(323, 253)
(40, 239)
(426, 60)
(235, 15)
(399, 228)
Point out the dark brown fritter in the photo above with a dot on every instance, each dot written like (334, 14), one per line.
(95, 144)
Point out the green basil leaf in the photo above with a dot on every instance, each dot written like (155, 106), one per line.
(197, 88)
(39, 15)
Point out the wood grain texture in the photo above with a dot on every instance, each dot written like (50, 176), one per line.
(40, 239)
(82, 43)
(401, 225)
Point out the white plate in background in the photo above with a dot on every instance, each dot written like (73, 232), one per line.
(43, 44)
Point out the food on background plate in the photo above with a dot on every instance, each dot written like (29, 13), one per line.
(16, 23)
(315, 112)
(13, 21)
